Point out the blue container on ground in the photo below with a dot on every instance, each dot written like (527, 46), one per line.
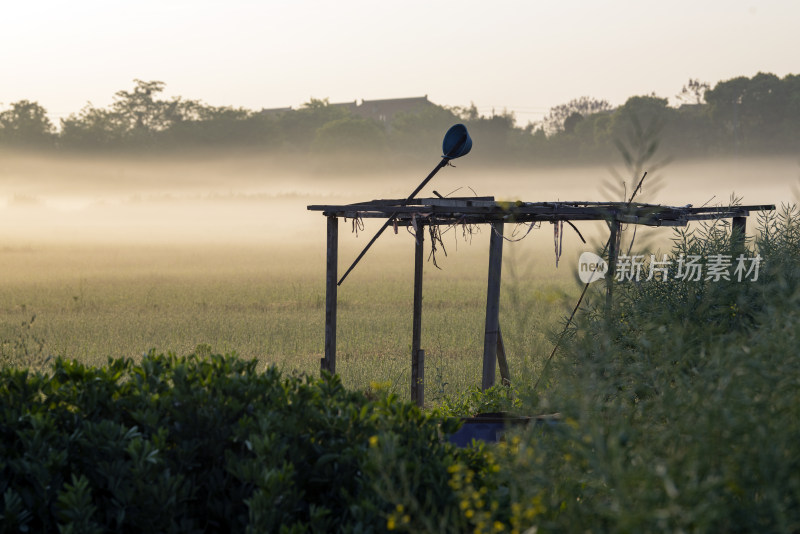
(490, 427)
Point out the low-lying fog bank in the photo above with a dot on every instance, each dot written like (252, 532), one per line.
(244, 199)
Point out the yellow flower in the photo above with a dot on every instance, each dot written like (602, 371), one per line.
(390, 523)
(373, 441)
(378, 386)
(571, 423)
(399, 508)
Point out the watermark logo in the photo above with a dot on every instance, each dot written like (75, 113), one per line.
(691, 268)
(591, 267)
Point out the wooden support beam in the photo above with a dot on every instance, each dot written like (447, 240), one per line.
(417, 355)
(328, 363)
(738, 233)
(502, 362)
(418, 379)
(613, 252)
(492, 329)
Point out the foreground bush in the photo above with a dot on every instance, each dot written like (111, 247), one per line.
(681, 406)
(210, 445)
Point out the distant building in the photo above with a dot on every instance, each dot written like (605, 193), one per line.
(274, 111)
(349, 106)
(380, 110)
(385, 110)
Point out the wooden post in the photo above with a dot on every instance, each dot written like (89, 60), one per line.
(492, 329)
(328, 363)
(738, 232)
(418, 379)
(613, 245)
(502, 362)
(417, 370)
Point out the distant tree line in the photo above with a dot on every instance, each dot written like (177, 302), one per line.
(738, 116)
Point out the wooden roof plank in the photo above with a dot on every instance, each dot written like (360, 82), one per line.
(479, 210)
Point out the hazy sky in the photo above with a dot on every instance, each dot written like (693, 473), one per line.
(525, 56)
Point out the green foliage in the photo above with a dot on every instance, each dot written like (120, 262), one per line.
(141, 111)
(759, 113)
(92, 129)
(26, 125)
(221, 127)
(475, 401)
(416, 477)
(299, 127)
(694, 92)
(741, 115)
(347, 133)
(421, 133)
(204, 444)
(680, 404)
(558, 118)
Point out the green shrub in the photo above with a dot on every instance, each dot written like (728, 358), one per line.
(206, 445)
(681, 406)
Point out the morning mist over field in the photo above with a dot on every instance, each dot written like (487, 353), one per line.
(247, 198)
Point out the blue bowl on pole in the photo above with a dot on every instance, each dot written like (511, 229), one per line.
(457, 142)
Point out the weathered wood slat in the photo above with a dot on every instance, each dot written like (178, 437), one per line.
(417, 387)
(449, 210)
(492, 329)
(613, 251)
(432, 215)
(447, 201)
(329, 361)
(502, 361)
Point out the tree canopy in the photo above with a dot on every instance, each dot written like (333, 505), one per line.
(742, 115)
(25, 124)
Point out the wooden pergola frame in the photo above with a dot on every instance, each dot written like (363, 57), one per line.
(423, 212)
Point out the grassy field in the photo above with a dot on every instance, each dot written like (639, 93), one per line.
(91, 302)
(116, 256)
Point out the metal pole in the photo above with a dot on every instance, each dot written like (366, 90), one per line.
(441, 164)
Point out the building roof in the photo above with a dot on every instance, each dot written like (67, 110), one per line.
(386, 109)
